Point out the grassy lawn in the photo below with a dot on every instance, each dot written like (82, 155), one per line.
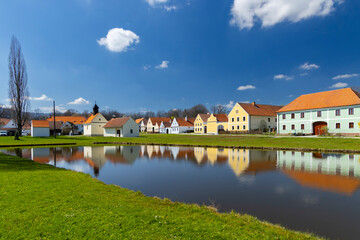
(321, 143)
(38, 201)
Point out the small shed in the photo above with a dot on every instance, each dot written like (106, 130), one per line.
(121, 127)
(40, 128)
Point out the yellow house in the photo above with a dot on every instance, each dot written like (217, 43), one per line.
(200, 123)
(216, 123)
(245, 117)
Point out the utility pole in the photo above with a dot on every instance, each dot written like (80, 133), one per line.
(54, 120)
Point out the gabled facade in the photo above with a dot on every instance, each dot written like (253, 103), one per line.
(40, 128)
(121, 127)
(181, 125)
(11, 128)
(165, 127)
(200, 123)
(217, 123)
(153, 124)
(245, 117)
(333, 112)
(94, 125)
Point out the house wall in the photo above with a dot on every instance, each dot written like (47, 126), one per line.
(95, 128)
(199, 125)
(213, 124)
(269, 121)
(238, 119)
(128, 126)
(40, 132)
(328, 115)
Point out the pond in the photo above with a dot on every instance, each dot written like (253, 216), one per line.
(315, 192)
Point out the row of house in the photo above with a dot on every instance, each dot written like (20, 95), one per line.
(95, 125)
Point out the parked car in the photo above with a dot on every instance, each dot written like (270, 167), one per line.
(3, 133)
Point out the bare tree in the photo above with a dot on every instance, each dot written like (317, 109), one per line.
(218, 109)
(18, 89)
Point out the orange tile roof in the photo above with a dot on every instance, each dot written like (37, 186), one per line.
(139, 120)
(89, 120)
(167, 124)
(204, 117)
(221, 117)
(159, 120)
(40, 123)
(116, 122)
(4, 121)
(254, 109)
(72, 119)
(183, 123)
(334, 98)
(191, 120)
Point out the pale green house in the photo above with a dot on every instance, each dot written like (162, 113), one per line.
(335, 112)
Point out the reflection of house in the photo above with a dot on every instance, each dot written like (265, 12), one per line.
(239, 160)
(336, 111)
(200, 123)
(40, 128)
(122, 154)
(252, 116)
(200, 154)
(121, 127)
(217, 123)
(332, 172)
(93, 126)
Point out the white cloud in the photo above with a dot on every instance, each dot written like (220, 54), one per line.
(245, 87)
(119, 40)
(309, 66)
(155, 2)
(346, 76)
(79, 101)
(282, 76)
(339, 85)
(229, 105)
(146, 67)
(270, 12)
(164, 64)
(50, 109)
(170, 8)
(41, 98)
(304, 74)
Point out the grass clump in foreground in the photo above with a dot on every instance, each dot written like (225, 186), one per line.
(41, 201)
(319, 143)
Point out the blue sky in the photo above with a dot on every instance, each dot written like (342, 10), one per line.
(160, 54)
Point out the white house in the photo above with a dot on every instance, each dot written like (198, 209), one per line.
(40, 128)
(11, 128)
(165, 127)
(121, 127)
(181, 125)
(94, 125)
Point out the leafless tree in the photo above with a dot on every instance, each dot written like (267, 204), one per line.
(18, 89)
(218, 109)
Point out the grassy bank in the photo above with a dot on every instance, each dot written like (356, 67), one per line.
(42, 202)
(328, 143)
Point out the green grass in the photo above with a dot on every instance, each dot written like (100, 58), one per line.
(39, 201)
(320, 143)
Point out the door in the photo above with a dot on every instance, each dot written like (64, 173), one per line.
(118, 133)
(319, 128)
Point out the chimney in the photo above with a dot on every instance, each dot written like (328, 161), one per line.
(186, 118)
(253, 103)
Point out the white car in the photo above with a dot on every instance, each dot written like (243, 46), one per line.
(3, 133)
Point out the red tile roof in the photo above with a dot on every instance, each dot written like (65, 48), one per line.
(159, 120)
(183, 123)
(40, 123)
(204, 117)
(116, 122)
(221, 117)
(335, 98)
(72, 119)
(167, 124)
(191, 120)
(254, 109)
(4, 121)
(58, 125)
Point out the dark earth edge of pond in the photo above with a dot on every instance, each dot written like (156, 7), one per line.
(188, 145)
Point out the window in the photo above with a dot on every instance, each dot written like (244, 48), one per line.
(284, 116)
(302, 115)
(232, 119)
(351, 125)
(238, 119)
(302, 126)
(131, 131)
(275, 119)
(337, 112)
(292, 127)
(244, 127)
(292, 115)
(99, 119)
(237, 111)
(232, 127)
(351, 111)
(284, 127)
(238, 127)
(337, 125)
(268, 119)
(244, 119)
(318, 113)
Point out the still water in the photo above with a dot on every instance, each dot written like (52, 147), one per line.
(313, 192)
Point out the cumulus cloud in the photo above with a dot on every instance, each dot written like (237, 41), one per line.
(282, 76)
(309, 66)
(170, 8)
(343, 76)
(147, 67)
(304, 74)
(119, 40)
(245, 87)
(339, 85)
(271, 12)
(41, 98)
(229, 105)
(50, 109)
(79, 101)
(164, 64)
(155, 2)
